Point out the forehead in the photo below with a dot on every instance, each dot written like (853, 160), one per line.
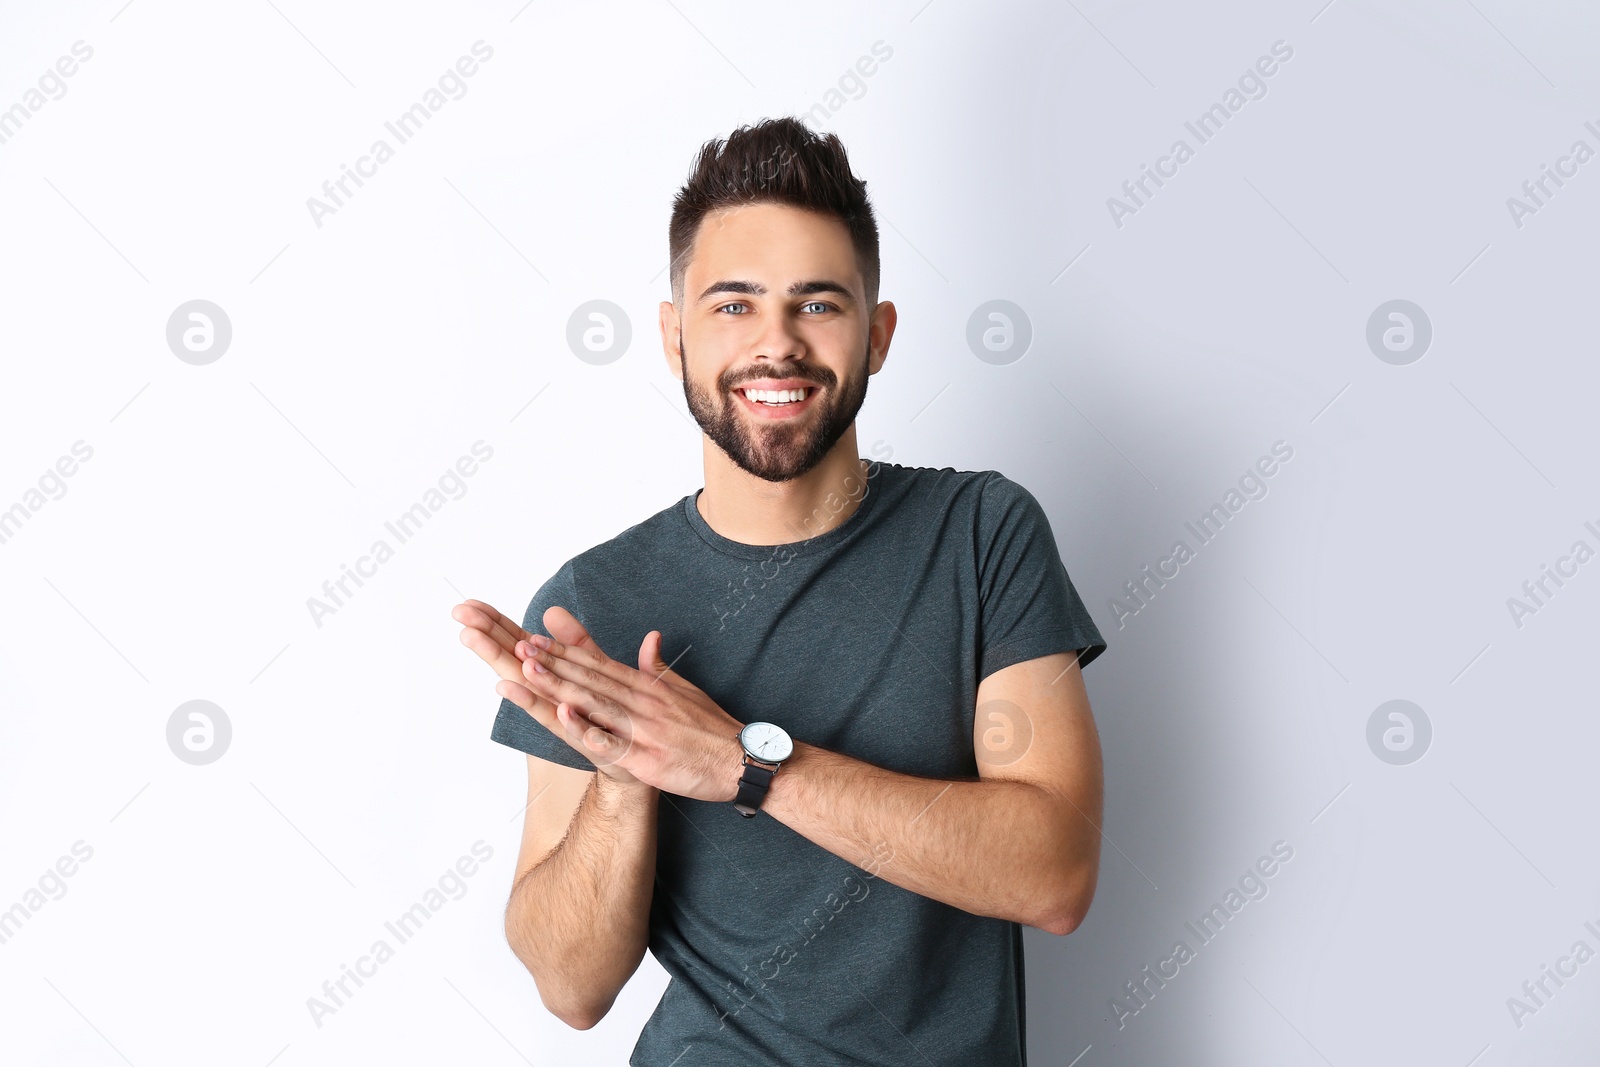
(771, 241)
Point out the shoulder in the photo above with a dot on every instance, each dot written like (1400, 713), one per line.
(931, 483)
(640, 545)
(1003, 500)
(986, 492)
(647, 538)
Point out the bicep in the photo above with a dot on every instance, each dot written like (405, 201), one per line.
(1033, 724)
(554, 794)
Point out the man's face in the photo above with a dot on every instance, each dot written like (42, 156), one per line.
(774, 304)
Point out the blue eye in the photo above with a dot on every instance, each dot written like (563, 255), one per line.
(818, 304)
(725, 307)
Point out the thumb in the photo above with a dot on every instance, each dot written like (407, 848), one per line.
(564, 626)
(650, 661)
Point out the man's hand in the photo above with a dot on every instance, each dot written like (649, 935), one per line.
(495, 638)
(651, 724)
(492, 636)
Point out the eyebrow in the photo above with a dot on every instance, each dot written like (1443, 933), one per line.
(744, 288)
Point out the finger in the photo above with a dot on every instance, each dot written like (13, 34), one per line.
(586, 665)
(651, 662)
(564, 626)
(485, 617)
(555, 690)
(605, 711)
(490, 635)
(598, 745)
(581, 733)
(520, 695)
(506, 664)
(491, 621)
(541, 709)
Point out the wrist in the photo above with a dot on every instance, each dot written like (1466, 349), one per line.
(781, 791)
(735, 763)
(615, 793)
(764, 748)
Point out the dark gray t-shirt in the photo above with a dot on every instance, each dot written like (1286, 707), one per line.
(869, 640)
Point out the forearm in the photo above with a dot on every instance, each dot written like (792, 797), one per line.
(579, 919)
(1005, 849)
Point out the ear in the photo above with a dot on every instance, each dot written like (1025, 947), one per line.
(879, 334)
(670, 326)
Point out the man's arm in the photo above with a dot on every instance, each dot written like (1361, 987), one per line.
(579, 912)
(1021, 843)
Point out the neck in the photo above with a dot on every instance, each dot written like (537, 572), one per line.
(754, 511)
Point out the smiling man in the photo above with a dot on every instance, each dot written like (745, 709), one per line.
(816, 735)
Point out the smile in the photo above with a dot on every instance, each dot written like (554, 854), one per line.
(777, 403)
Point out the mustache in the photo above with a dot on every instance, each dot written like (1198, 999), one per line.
(821, 377)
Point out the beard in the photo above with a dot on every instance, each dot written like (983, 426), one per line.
(776, 451)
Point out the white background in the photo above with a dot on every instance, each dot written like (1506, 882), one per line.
(1168, 354)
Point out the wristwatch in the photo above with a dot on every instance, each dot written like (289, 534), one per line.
(765, 748)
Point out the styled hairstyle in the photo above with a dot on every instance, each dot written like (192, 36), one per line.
(779, 161)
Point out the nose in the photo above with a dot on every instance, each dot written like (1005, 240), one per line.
(779, 341)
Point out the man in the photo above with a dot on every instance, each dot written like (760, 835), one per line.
(856, 754)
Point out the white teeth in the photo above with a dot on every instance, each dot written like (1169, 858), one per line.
(775, 396)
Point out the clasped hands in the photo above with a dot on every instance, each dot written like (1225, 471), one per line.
(648, 725)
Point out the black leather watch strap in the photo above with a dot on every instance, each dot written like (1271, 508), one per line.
(753, 787)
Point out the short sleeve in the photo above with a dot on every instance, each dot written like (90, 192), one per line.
(515, 727)
(1028, 606)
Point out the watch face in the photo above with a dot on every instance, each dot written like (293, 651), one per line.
(766, 742)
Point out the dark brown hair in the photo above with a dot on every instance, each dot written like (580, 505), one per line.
(774, 161)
